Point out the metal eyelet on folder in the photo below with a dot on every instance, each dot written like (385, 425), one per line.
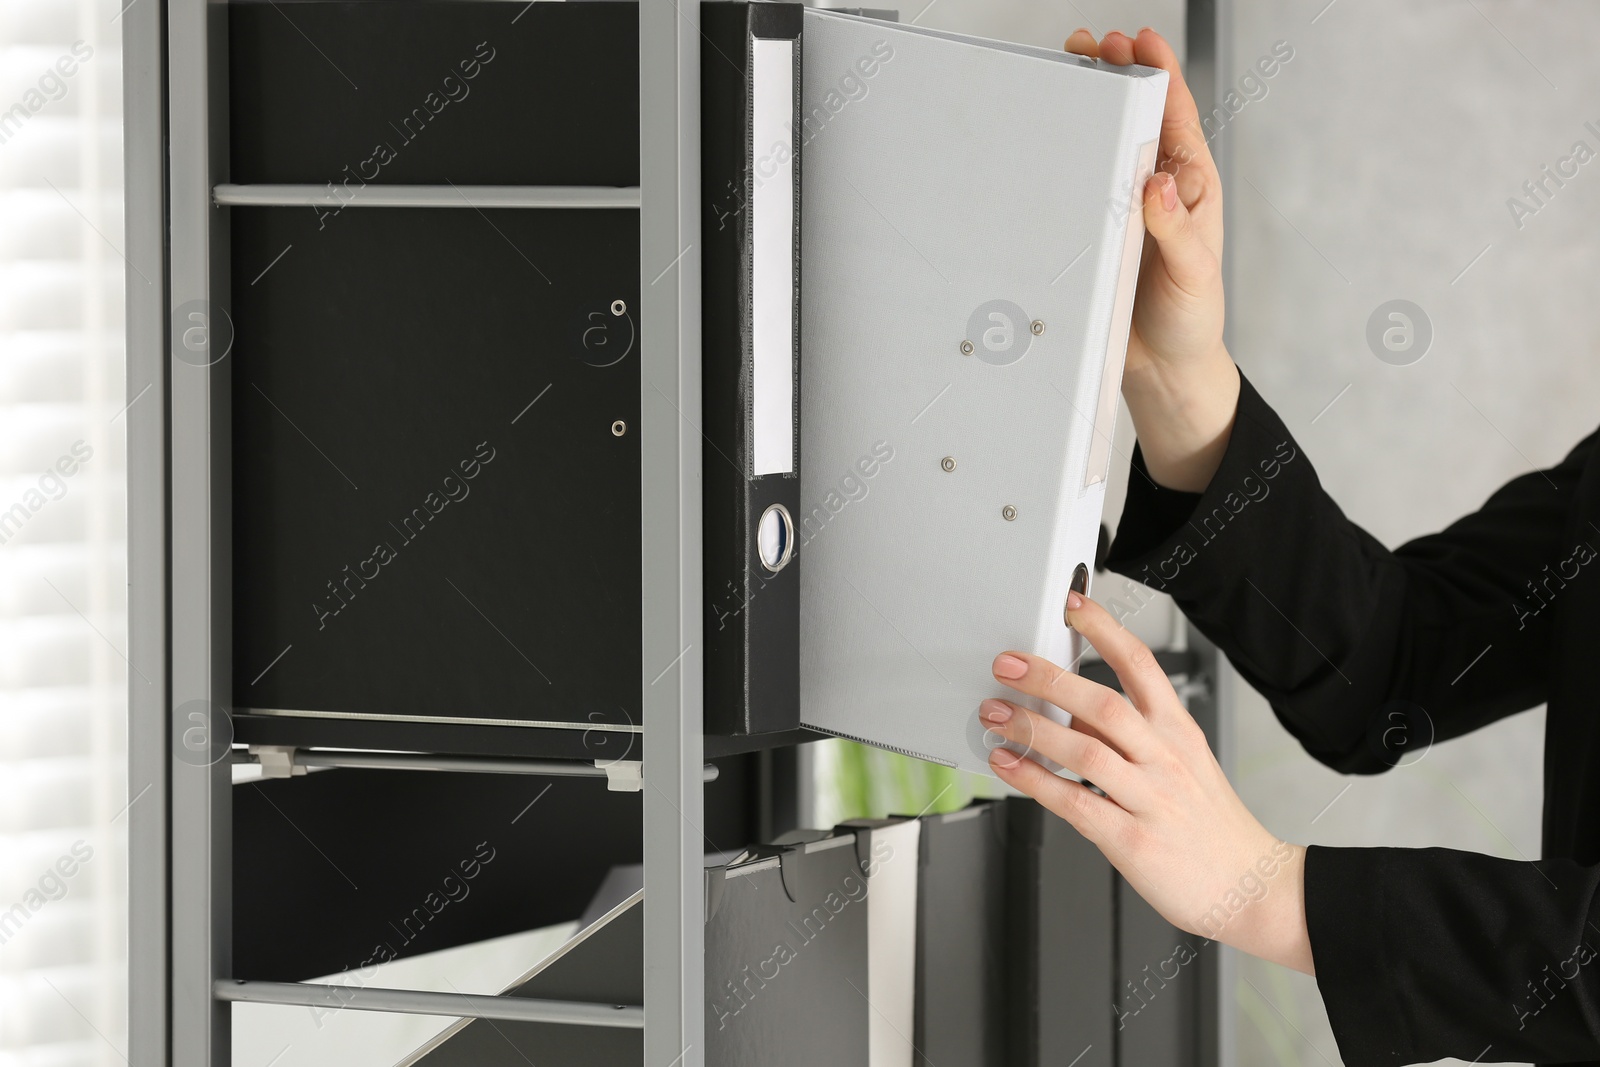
(1080, 585)
(775, 538)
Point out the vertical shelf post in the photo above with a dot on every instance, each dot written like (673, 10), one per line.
(145, 422)
(1208, 66)
(200, 535)
(674, 801)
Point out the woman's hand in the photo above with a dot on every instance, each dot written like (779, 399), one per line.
(1169, 820)
(1180, 383)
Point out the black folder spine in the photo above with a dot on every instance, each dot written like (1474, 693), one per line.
(1061, 943)
(962, 939)
(752, 613)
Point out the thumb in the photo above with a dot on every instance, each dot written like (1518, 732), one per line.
(1192, 265)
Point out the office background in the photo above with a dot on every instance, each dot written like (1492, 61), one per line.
(1375, 165)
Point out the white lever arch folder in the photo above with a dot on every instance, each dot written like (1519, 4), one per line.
(972, 227)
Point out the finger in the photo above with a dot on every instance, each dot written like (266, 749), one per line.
(1082, 43)
(1083, 727)
(1117, 48)
(1184, 151)
(1079, 753)
(1095, 817)
(1117, 721)
(1189, 261)
(1080, 724)
(1135, 665)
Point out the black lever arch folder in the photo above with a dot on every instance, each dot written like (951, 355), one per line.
(786, 972)
(1010, 963)
(962, 938)
(1061, 934)
(435, 409)
(750, 92)
(786, 957)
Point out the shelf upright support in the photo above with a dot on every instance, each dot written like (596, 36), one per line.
(1208, 68)
(670, 491)
(144, 420)
(200, 533)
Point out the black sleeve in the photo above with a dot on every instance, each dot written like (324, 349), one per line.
(1427, 953)
(1364, 653)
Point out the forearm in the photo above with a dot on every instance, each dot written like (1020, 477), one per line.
(1183, 418)
(1272, 927)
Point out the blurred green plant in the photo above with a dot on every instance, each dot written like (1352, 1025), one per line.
(855, 781)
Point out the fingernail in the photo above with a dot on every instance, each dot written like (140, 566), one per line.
(995, 711)
(1169, 192)
(1003, 759)
(1008, 666)
(1074, 601)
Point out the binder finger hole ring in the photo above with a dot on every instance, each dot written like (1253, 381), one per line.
(775, 538)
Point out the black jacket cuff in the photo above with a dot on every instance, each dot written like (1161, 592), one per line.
(1347, 920)
(1163, 530)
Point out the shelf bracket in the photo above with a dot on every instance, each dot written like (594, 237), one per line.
(624, 775)
(277, 761)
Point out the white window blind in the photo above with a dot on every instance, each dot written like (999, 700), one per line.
(62, 537)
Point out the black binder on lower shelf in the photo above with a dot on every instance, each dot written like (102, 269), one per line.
(1061, 952)
(961, 938)
(786, 947)
(1015, 953)
(786, 957)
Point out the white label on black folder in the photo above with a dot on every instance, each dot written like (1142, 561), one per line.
(772, 263)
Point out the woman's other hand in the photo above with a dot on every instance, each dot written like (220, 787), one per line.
(1180, 383)
(1169, 821)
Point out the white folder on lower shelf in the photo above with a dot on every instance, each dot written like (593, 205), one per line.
(892, 846)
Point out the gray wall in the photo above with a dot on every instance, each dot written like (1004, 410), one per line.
(1382, 160)
(1376, 167)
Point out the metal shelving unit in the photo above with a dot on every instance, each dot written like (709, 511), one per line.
(669, 270)
(181, 980)
(181, 977)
